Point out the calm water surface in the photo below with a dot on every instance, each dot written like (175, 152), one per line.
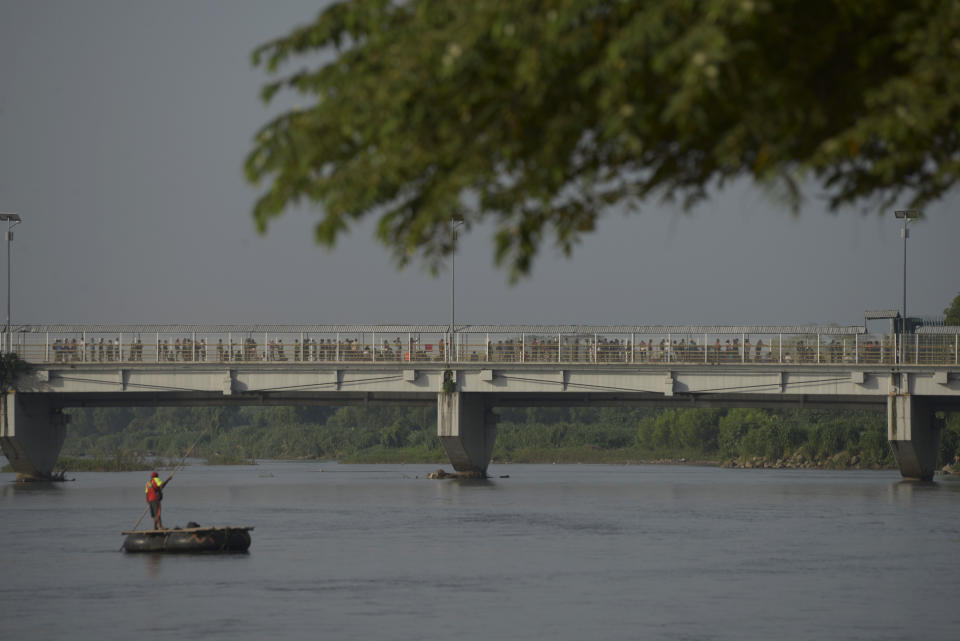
(576, 552)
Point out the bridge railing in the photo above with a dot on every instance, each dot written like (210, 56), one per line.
(480, 344)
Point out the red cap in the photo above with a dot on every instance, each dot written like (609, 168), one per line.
(154, 474)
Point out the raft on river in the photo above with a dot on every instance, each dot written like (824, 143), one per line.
(189, 539)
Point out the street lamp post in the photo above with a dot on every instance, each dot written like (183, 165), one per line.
(453, 286)
(12, 221)
(906, 215)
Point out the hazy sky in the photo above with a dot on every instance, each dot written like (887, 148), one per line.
(123, 129)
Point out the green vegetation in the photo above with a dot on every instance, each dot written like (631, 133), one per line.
(11, 366)
(541, 116)
(225, 435)
(952, 313)
(232, 435)
(731, 437)
(119, 461)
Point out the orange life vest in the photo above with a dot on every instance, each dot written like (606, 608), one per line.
(154, 492)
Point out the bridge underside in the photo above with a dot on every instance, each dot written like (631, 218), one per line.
(206, 399)
(421, 399)
(34, 427)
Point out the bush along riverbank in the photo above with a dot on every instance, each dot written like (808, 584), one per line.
(119, 461)
(731, 437)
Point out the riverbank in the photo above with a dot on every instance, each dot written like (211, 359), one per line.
(840, 461)
(843, 460)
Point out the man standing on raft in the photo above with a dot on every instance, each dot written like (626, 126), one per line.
(155, 496)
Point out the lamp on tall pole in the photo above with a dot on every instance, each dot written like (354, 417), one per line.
(453, 285)
(906, 215)
(12, 221)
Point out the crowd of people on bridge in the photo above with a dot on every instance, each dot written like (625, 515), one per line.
(95, 351)
(482, 348)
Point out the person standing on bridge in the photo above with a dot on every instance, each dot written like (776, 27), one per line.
(154, 497)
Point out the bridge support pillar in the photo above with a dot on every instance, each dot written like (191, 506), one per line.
(467, 429)
(914, 435)
(31, 434)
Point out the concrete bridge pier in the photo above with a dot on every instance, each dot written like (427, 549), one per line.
(31, 434)
(914, 435)
(467, 428)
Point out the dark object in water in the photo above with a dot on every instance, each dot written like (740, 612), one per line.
(188, 539)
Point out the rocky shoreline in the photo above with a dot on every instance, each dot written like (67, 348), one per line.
(839, 461)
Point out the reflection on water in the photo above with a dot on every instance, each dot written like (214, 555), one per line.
(10, 487)
(906, 491)
(555, 551)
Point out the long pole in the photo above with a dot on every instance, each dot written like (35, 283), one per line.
(903, 323)
(905, 271)
(907, 215)
(12, 221)
(453, 284)
(7, 333)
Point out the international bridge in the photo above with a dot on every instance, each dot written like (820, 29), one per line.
(471, 371)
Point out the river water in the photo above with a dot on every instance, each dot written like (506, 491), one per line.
(579, 552)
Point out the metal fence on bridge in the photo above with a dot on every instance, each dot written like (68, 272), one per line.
(715, 345)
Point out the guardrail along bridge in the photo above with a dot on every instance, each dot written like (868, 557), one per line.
(476, 368)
